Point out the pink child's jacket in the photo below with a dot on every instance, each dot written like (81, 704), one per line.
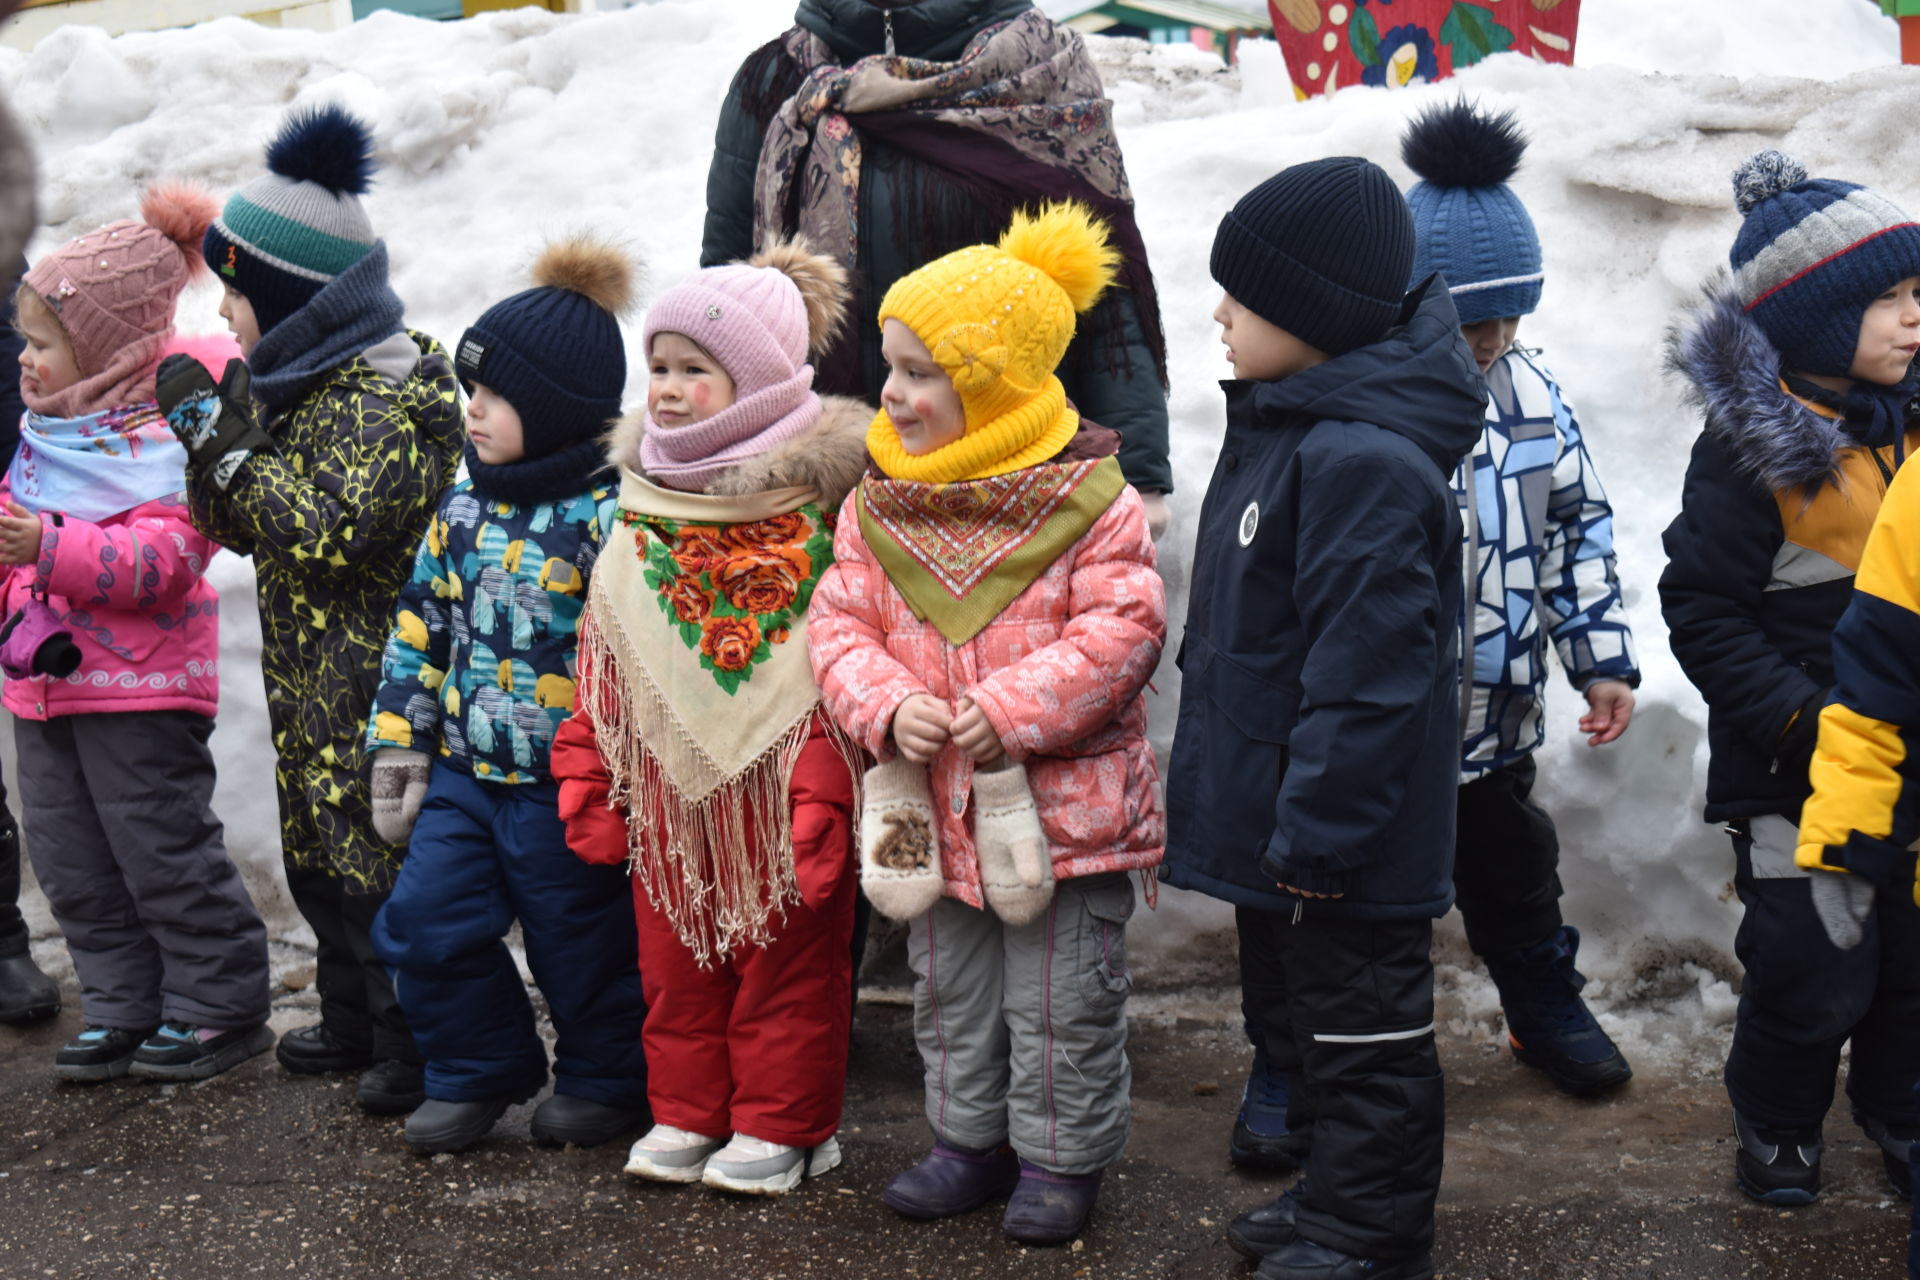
(1059, 674)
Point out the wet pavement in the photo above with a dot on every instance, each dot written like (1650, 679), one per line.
(262, 1173)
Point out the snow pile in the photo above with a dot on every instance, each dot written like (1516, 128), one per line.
(500, 132)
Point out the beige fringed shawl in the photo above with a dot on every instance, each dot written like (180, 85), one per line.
(702, 697)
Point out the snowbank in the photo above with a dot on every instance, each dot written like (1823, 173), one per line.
(499, 132)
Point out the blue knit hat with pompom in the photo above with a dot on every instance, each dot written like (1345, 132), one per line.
(285, 235)
(1468, 224)
(1812, 253)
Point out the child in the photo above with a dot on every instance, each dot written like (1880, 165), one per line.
(326, 475)
(1800, 365)
(987, 628)
(1857, 829)
(116, 777)
(1540, 564)
(700, 752)
(1318, 748)
(481, 663)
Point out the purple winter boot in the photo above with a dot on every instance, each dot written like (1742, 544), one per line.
(1049, 1208)
(950, 1181)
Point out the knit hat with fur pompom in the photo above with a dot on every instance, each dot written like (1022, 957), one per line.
(759, 320)
(1468, 224)
(114, 291)
(1810, 256)
(554, 351)
(997, 319)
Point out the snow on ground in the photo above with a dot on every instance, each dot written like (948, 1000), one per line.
(499, 132)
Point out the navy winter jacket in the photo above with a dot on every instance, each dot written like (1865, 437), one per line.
(1319, 732)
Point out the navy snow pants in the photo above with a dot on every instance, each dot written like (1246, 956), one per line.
(482, 855)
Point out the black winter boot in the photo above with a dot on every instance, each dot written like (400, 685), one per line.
(1305, 1260)
(25, 992)
(1780, 1167)
(1548, 1024)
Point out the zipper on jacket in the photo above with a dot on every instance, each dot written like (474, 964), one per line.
(886, 18)
(1299, 906)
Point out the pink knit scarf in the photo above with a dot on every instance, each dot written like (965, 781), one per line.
(687, 457)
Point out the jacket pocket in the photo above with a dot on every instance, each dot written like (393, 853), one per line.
(1105, 980)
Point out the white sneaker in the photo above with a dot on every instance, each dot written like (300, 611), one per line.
(668, 1154)
(767, 1168)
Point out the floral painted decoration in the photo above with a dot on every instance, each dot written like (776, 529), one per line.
(733, 591)
(1329, 44)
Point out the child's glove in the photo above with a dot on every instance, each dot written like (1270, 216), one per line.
(399, 787)
(899, 844)
(214, 422)
(1842, 902)
(1016, 870)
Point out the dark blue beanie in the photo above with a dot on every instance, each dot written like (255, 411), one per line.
(1472, 228)
(1322, 250)
(1810, 257)
(554, 352)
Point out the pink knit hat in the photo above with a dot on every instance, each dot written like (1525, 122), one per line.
(114, 291)
(759, 319)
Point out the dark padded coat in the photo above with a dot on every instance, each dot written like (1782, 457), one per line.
(1319, 731)
(912, 213)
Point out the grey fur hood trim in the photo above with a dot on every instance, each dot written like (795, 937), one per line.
(830, 457)
(1732, 375)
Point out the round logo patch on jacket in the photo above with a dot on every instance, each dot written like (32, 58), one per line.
(1249, 523)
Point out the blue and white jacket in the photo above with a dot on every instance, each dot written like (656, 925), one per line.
(1540, 564)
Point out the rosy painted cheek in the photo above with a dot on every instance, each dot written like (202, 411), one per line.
(702, 395)
(922, 408)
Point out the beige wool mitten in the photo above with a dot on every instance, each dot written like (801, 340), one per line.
(899, 843)
(1016, 869)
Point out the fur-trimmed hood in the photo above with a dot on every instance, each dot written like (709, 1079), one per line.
(1732, 375)
(830, 456)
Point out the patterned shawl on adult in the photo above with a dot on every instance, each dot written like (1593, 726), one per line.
(1018, 118)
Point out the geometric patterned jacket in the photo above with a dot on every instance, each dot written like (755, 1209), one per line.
(1540, 565)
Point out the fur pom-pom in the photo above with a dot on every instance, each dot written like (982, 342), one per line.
(595, 269)
(1068, 244)
(182, 213)
(822, 283)
(1766, 173)
(326, 145)
(1458, 145)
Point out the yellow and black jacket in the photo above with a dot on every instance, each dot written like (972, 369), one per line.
(1864, 814)
(1777, 506)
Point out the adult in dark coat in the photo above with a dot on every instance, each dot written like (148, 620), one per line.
(931, 173)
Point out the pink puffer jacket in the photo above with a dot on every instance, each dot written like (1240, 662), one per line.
(1059, 673)
(131, 590)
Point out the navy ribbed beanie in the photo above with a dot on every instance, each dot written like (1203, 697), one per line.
(554, 352)
(1322, 250)
(1811, 255)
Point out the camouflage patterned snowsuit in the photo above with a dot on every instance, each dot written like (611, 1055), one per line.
(332, 520)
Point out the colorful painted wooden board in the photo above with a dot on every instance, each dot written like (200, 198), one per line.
(1330, 44)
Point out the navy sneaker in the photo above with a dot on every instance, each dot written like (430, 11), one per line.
(950, 1181)
(180, 1051)
(1896, 1152)
(1258, 1232)
(1260, 1138)
(1548, 1024)
(98, 1053)
(1780, 1167)
(1305, 1260)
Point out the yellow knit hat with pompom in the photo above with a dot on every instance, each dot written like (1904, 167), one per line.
(997, 319)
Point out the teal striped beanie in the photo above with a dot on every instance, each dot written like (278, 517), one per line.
(287, 234)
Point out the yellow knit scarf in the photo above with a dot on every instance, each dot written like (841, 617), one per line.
(1024, 436)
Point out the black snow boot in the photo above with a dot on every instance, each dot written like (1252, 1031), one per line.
(1548, 1024)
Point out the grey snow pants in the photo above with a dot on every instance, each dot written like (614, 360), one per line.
(119, 822)
(1023, 1030)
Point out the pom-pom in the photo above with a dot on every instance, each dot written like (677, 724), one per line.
(182, 213)
(1765, 174)
(822, 283)
(324, 145)
(1067, 243)
(595, 269)
(1458, 145)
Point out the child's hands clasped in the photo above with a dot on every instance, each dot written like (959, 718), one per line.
(19, 535)
(921, 726)
(973, 733)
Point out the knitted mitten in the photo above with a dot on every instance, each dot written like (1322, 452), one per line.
(899, 844)
(399, 787)
(1016, 870)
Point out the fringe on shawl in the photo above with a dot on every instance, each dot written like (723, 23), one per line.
(721, 869)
